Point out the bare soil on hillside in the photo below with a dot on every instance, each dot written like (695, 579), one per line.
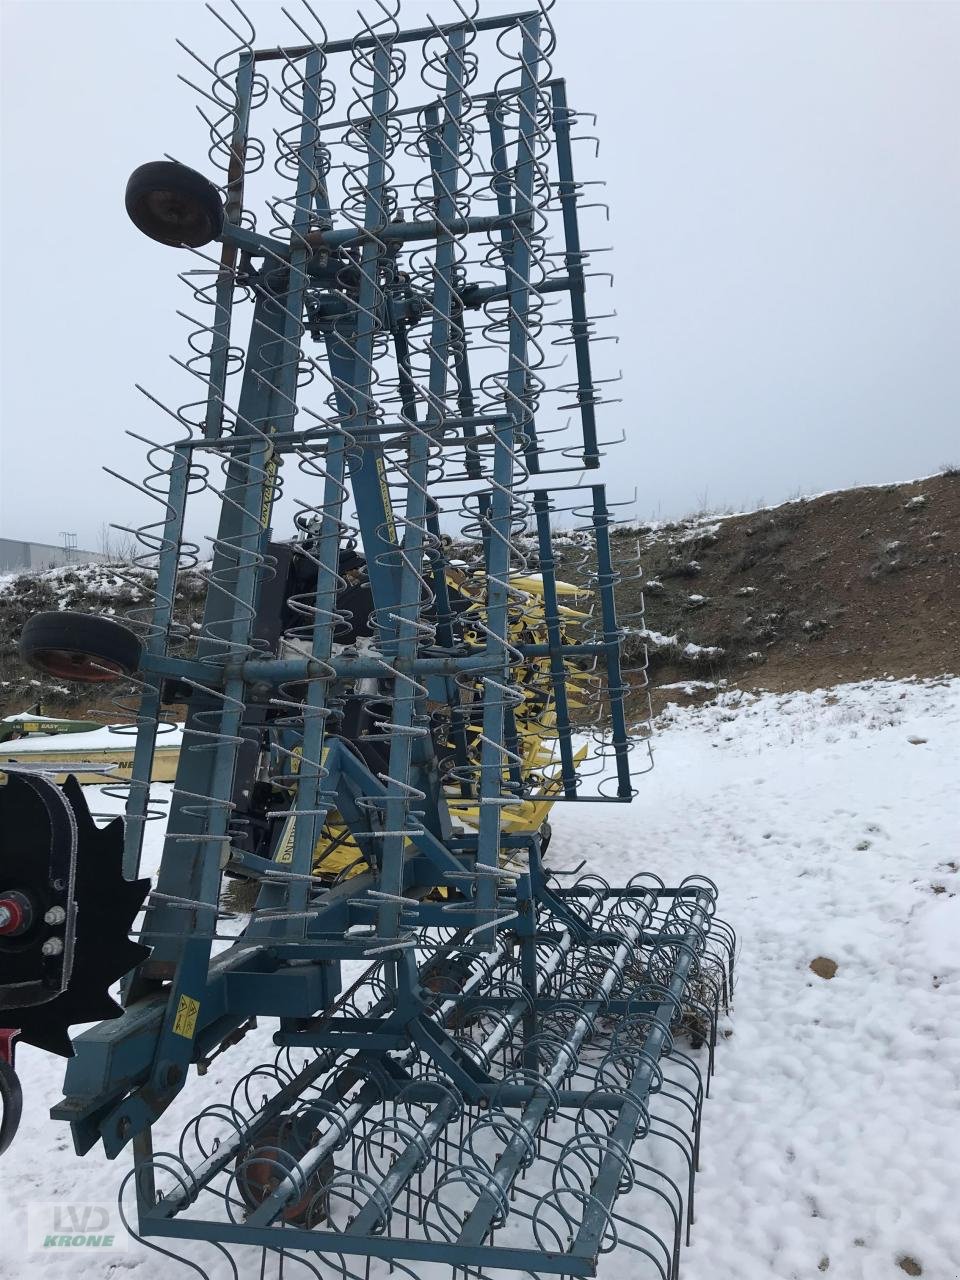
(851, 585)
(847, 586)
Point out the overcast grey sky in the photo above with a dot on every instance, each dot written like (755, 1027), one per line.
(784, 181)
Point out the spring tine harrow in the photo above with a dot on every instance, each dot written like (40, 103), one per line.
(478, 1067)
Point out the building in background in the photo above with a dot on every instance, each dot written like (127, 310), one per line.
(15, 555)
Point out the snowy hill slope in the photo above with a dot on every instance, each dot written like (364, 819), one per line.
(830, 822)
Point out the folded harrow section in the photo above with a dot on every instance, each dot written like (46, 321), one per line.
(576, 1128)
(475, 1067)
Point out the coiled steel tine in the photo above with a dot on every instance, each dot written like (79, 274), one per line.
(222, 145)
(223, 106)
(504, 1127)
(553, 1200)
(319, 21)
(693, 1107)
(217, 1111)
(245, 41)
(680, 1139)
(145, 1173)
(666, 1269)
(218, 78)
(286, 1255)
(447, 1220)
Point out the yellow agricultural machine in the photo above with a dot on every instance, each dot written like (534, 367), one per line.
(535, 754)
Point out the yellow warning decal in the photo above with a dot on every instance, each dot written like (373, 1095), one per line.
(271, 467)
(185, 1023)
(285, 848)
(385, 495)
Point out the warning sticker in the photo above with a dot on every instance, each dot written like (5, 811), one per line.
(185, 1023)
(385, 498)
(269, 487)
(271, 466)
(285, 847)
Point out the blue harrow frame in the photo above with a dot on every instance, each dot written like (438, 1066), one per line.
(509, 1024)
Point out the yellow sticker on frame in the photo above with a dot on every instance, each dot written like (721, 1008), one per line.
(285, 847)
(185, 1023)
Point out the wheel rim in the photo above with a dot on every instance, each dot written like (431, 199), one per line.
(175, 218)
(87, 668)
(258, 1168)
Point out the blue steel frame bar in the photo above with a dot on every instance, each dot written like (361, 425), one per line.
(517, 267)
(551, 615)
(573, 260)
(367, 467)
(404, 781)
(607, 578)
(148, 716)
(199, 816)
(412, 35)
(297, 1239)
(223, 311)
(310, 800)
(513, 209)
(604, 1189)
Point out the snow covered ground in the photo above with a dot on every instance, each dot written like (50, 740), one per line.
(831, 823)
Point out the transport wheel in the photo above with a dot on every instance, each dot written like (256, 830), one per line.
(79, 646)
(173, 204)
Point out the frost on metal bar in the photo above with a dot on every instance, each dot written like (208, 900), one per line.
(392, 405)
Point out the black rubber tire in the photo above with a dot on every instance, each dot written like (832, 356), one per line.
(82, 647)
(173, 204)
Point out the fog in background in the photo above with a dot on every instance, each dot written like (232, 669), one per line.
(784, 187)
